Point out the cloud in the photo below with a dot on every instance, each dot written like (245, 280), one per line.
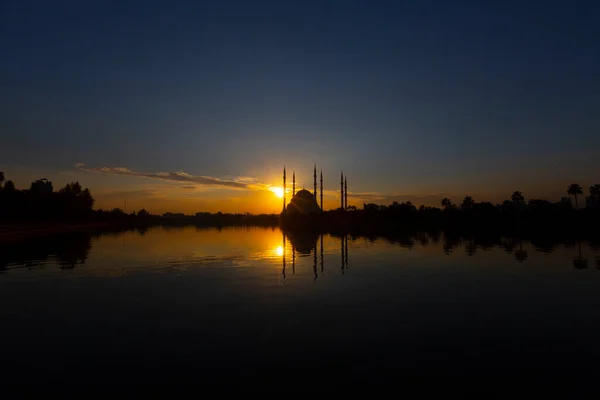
(180, 176)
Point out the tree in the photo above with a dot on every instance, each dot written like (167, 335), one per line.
(73, 188)
(573, 190)
(447, 204)
(87, 199)
(1, 178)
(143, 213)
(595, 191)
(9, 186)
(517, 197)
(467, 203)
(41, 186)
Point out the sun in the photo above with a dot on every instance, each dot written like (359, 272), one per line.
(277, 190)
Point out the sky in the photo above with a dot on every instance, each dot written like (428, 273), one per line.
(189, 106)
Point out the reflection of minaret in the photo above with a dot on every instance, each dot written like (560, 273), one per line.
(315, 182)
(293, 184)
(321, 254)
(283, 257)
(315, 261)
(342, 188)
(322, 191)
(293, 260)
(342, 254)
(284, 188)
(346, 251)
(346, 193)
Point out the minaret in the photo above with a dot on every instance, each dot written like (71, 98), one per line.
(293, 184)
(315, 182)
(342, 189)
(322, 190)
(346, 192)
(284, 188)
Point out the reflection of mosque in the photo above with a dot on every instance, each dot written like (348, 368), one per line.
(305, 244)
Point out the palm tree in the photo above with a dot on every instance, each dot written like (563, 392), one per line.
(573, 190)
(467, 203)
(517, 197)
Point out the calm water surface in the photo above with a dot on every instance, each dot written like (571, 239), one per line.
(234, 304)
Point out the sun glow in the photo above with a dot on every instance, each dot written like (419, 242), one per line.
(277, 190)
(279, 251)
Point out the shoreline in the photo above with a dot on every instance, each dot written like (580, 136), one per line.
(559, 224)
(20, 232)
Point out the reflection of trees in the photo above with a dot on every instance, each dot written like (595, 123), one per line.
(507, 244)
(470, 247)
(435, 236)
(423, 238)
(450, 243)
(520, 255)
(405, 241)
(68, 250)
(543, 245)
(579, 262)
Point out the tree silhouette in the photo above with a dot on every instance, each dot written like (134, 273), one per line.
(595, 192)
(467, 203)
(73, 188)
(9, 186)
(517, 197)
(41, 186)
(573, 190)
(1, 178)
(446, 203)
(143, 213)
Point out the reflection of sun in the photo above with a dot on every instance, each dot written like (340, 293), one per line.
(277, 190)
(279, 250)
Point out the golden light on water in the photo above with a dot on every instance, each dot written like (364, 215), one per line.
(277, 190)
(279, 251)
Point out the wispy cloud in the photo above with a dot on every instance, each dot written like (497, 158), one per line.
(180, 176)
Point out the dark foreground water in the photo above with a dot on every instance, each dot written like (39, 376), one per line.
(252, 306)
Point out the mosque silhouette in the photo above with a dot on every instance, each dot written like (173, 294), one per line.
(305, 202)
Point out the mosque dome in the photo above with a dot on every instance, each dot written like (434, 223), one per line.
(304, 194)
(303, 202)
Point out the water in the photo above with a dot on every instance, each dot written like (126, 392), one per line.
(253, 306)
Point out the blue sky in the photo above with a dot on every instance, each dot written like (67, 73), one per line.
(409, 98)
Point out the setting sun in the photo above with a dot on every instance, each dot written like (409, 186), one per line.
(277, 190)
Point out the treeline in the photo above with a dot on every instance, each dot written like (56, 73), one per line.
(42, 203)
(517, 202)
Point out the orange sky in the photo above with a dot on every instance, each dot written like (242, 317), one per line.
(159, 195)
